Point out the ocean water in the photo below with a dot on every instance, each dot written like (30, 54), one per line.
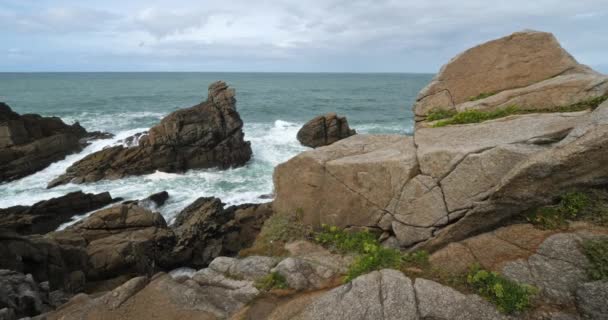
(273, 107)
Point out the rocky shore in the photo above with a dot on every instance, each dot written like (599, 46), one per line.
(496, 208)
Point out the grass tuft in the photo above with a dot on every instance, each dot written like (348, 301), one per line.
(482, 95)
(597, 253)
(273, 280)
(591, 206)
(438, 114)
(508, 296)
(476, 116)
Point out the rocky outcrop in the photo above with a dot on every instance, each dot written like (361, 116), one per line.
(447, 183)
(324, 130)
(528, 69)
(20, 295)
(46, 216)
(203, 136)
(29, 143)
(206, 230)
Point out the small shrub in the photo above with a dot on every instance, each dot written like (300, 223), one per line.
(342, 241)
(589, 206)
(597, 253)
(482, 95)
(548, 218)
(273, 280)
(417, 258)
(376, 257)
(438, 114)
(507, 295)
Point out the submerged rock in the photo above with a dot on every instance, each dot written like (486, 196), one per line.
(324, 130)
(29, 143)
(207, 135)
(46, 216)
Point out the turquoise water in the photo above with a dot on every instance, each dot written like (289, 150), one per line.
(272, 105)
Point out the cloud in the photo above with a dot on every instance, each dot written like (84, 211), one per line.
(292, 35)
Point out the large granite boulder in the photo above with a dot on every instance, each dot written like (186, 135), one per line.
(29, 143)
(449, 182)
(324, 130)
(203, 136)
(349, 183)
(528, 69)
(46, 216)
(206, 230)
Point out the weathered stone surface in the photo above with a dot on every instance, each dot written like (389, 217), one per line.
(436, 301)
(528, 68)
(46, 216)
(311, 266)
(204, 136)
(385, 294)
(248, 268)
(226, 294)
(29, 143)
(324, 130)
(162, 298)
(44, 259)
(349, 183)
(591, 299)
(21, 294)
(154, 201)
(206, 230)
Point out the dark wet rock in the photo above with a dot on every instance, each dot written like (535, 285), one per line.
(324, 130)
(155, 200)
(30, 142)
(203, 136)
(46, 216)
(21, 294)
(206, 230)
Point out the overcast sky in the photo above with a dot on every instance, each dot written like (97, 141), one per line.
(289, 35)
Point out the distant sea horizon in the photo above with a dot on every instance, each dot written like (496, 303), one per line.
(273, 106)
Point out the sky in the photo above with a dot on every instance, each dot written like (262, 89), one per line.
(281, 35)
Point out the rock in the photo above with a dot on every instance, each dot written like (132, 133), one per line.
(161, 298)
(21, 295)
(349, 183)
(324, 130)
(226, 294)
(203, 136)
(29, 143)
(591, 300)
(248, 268)
(529, 69)
(120, 240)
(557, 268)
(436, 301)
(205, 229)
(154, 201)
(44, 259)
(46, 216)
(385, 294)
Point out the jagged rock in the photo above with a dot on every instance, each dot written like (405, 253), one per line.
(349, 183)
(120, 240)
(205, 229)
(21, 294)
(311, 266)
(529, 69)
(46, 216)
(29, 143)
(591, 300)
(324, 130)
(248, 268)
(154, 201)
(203, 136)
(61, 265)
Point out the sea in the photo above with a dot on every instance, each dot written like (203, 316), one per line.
(273, 107)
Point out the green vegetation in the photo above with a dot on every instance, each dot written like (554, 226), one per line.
(597, 253)
(438, 114)
(476, 116)
(273, 280)
(370, 254)
(591, 206)
(482, 95)
(507, 295)
(278, 229)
